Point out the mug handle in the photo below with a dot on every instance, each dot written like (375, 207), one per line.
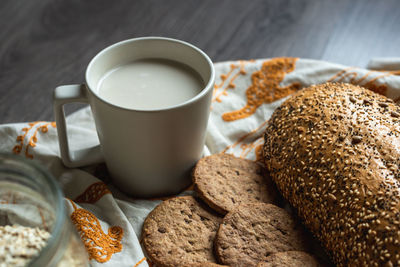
(63, 95)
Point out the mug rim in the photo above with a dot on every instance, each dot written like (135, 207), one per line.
(209, 85)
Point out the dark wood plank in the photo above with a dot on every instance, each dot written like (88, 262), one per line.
(49, 42)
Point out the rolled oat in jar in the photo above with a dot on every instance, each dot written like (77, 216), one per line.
(34, 228)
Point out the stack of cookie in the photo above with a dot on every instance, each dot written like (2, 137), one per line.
(232, 221)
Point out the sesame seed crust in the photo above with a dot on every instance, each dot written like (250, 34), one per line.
(334, 152)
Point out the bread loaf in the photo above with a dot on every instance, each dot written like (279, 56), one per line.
(334, 152)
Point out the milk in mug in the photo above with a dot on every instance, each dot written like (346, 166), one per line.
(148, 84)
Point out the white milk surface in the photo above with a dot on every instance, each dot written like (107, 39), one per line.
(150, 84)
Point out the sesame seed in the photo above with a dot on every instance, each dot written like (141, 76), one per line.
(395, 114)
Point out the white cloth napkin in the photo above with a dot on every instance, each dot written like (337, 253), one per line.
(236, 126)
(385, 64)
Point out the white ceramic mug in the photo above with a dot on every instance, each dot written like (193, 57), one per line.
(147, 152)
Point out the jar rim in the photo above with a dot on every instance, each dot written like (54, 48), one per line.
(55, 190)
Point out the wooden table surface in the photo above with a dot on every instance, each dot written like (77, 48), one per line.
(48, 43)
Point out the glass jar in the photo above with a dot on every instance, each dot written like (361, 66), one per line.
(31, 198)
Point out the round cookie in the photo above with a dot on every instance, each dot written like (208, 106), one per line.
(205, 264)
(290, 259)
(224, 182)
(252, 232)
(180, 231)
